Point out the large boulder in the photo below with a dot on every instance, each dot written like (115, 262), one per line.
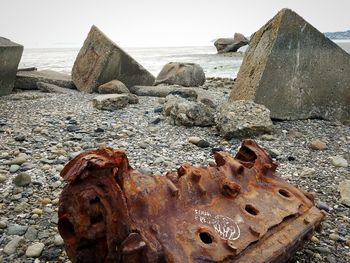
(224, 45)
(100, 60)
(113, 87)
(10, 55)
(188, 113)
(295, 71)
(243, 119)
(28, 80)
(183, 74)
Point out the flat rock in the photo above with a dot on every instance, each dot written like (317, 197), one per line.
(113, 87)
(162, 90)
(27, 80)
(287, 68)
(243, 119)
(10, 55)
(183, 74)
(344, 190)
(16, 229)
(111, 101)
(100, 60)
(35, 250)
(52, 88)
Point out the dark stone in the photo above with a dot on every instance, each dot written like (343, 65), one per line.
(217, 149)
(20, 138)
(100, 60)
(158, 110)
(99, 130)
(156, 121)
(72, 128)
(203, 144)
(50, 254)
(291, 158)
(10, 55)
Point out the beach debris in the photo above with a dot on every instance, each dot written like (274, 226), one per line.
(113, 87)
(52, 88)
(111, 102)
(295, 71)
(185, 112)
(160, 90)
(243, 119)
(109, 212)
(28, 80)
(183, 74)
(10, 55)
(224, 45)
(100, 60)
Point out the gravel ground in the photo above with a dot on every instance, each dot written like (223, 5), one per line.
(40, 132)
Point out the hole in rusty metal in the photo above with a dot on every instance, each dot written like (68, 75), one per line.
(66, 228)
(246, 155)
(284, 193)
(251, 210)
(206, 237)
(96, 219)
(95, 200)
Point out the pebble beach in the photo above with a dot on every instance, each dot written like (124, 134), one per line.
(41, 132)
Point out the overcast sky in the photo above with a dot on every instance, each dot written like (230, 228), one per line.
(59, 23)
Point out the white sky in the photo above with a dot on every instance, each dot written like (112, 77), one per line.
(141, 23)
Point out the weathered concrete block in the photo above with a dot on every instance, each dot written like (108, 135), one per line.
(28, 79)
(100, 60)
(295, 71)
(10, 55)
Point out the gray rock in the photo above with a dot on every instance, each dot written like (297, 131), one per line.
(31, 233)
(10, 55)
(241, 119)
(224, 45)
(100, 60)
(183, 74)
(344, 190)
(11, 246)
(35, 250)
(111, 101)
(16, 229)
(58, 241)
(339, 161)
(28, 80)
(161, 90)
(113, 87)
(22, 179)
(52, 88)
(287, 68)
(188, 113)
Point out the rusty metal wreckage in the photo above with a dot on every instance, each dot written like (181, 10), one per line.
(236, 211)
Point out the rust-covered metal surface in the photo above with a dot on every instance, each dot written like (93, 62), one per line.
(236, 211)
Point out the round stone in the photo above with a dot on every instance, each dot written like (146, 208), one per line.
(35, 250)
(22, 179)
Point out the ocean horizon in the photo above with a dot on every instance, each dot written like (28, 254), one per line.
(61, 59)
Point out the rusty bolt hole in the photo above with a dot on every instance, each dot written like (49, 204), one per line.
(284, 193)
(251, 210)
(206, 237)
(66, 228)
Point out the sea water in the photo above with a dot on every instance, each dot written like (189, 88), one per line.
(153, 59)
